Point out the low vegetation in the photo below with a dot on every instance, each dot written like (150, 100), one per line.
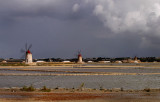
(81, 86)
(13, 64)
(30, 88)
(45, 89)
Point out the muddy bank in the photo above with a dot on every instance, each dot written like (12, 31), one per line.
(79, 97)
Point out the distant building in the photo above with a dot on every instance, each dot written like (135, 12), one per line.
(66, 61)
(90, 61)
(104, 61)
(118, 62)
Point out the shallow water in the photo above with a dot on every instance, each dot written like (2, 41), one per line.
(91, 81)
(131, 70)
(68, 70)
(125, 81)
(13, 96)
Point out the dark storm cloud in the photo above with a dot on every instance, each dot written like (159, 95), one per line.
(59, 28)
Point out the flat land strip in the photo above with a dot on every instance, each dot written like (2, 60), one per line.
(79, 97)
(74, 70)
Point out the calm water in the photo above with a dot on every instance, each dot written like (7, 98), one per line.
(106, 81)
(125, 81)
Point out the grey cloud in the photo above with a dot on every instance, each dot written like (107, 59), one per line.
(58, 28)
(139, 17)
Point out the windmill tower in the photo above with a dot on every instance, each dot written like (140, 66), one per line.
(80, 57)
(28, 54)
(135, 58)
(28, 58)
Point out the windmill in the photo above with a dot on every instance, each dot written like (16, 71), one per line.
(27, 53)
(135, 57)
(80, 57)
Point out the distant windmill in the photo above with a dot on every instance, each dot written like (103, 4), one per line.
(135, 57)
(27, 53)
(80, 57)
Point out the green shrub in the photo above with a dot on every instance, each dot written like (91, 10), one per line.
(31, 88)
(45, 89)
(25, 88)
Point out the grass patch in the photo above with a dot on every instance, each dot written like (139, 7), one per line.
(13, 64)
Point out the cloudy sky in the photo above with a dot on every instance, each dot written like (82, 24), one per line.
(99, 28)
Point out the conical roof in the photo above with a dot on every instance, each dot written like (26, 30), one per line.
(28, 51)
(79, 55)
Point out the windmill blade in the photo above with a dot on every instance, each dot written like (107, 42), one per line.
(22, 51)
(79, 51)
(26, 47)
(29, 46)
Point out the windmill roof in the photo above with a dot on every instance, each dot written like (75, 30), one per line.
(79, 55)
(28, 51)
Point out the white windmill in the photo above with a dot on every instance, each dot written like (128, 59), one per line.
(28, 54)
(80, 57)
